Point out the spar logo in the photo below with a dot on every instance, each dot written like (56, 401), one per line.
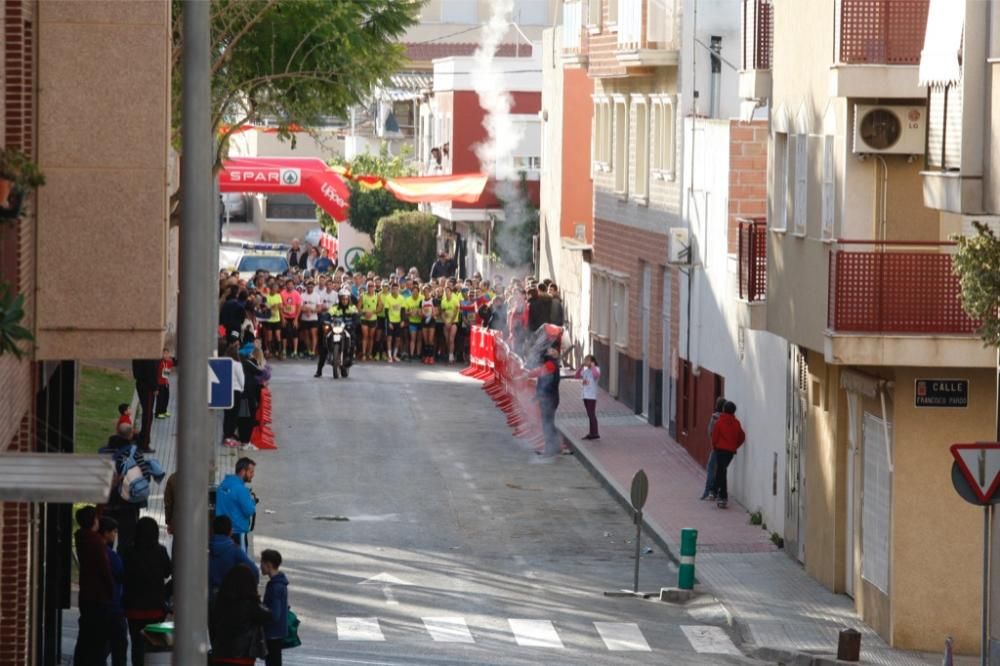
(290, 177)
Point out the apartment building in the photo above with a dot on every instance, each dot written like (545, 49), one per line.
(884, 370)
(74, 253)
(961, 176)
(566, 237)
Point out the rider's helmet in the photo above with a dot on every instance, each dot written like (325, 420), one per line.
(345, 293)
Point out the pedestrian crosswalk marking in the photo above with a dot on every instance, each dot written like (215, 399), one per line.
(709, 640)
(359, 629)
(448, 629)
(622, 636)
(535, 633)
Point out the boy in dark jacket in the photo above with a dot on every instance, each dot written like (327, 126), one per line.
(108, 531)
(276, 599)
(147, 568)
(727, 438)
(224, 554)
(96, 590)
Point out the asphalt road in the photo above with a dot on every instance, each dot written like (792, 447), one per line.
(409, 476)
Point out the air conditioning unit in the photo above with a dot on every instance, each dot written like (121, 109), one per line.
(894, 130)
(678, 246)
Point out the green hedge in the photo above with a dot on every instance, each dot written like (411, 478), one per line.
(406, 238)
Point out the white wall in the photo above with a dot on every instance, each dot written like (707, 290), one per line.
(752, 362)
(714, 17)
(550, 199)
(520, 74)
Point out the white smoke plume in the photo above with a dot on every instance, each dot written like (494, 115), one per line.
(497, 152)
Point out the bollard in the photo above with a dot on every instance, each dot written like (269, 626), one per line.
(689, 545)
(849, 645)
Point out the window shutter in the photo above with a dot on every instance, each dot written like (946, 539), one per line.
(801, 183)
(829, 189)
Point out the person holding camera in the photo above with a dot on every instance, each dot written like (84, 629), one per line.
(236, 501)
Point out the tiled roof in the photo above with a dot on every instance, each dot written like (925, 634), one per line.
(432, 50)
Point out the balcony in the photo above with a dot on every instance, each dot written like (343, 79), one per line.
(752, 272)
(573, 54)
(757, 20)
(646, 33)
(898, 303)
(878, 44)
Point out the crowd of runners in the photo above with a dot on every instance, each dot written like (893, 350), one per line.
(397, 318)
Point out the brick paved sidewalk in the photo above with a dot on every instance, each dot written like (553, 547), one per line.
(774, 603)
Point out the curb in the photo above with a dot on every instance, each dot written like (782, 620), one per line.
(652, 529)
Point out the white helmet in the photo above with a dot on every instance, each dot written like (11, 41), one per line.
(344, 292)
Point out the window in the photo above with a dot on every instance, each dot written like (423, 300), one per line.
(572, 25)
(620, 166)
(779, 180)
(594, 13)
(641, 147)
(619, 308)
(801, 200)
(829, 189)
(601, 136)
(663, 138)
(613, 11)
(531, 12)
(459, 11)
(527, 155)
(601, 306)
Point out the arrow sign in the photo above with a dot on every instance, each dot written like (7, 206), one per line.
(220, 383)
(386, 581)
(980, 465)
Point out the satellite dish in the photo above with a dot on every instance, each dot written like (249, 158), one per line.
(880, 129)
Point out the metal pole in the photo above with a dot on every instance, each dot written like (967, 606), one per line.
(638, 549)
(985, 648)
(197, 238)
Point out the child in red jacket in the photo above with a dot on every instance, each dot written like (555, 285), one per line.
(727, 438)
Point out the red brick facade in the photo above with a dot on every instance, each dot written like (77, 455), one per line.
(747, 175)
(17, 128)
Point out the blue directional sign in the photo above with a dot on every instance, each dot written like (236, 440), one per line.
(220, 383)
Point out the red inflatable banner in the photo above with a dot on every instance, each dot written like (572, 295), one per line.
(325, 184)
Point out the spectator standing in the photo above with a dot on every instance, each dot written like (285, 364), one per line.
(124, 448)
(147, 568)
(590, 374)
(439, 268)
(236, 624)
(539, 308)
(324, 264)
(96, 590)
(312, 256)
(144, 371)
(276, 600)
(727, 438)
(547, 394)
(224, 554)
(163, 370)
(118, 634)
(231, 417)
(709, 492)
(556, 315)
(124, 414)
(233, 312)
(296, 257)
(234, 500)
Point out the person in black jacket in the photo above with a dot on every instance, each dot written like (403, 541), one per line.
(251, 393)
(96, 590)
(147, 568)
(146, 373)
(236, 625)
(556, 315)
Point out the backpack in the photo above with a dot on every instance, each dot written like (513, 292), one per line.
(134, 486)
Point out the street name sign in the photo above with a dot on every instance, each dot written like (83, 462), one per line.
(220, 383)
(979, 464)
(941, 393)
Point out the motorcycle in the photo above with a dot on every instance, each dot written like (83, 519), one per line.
(339, 352)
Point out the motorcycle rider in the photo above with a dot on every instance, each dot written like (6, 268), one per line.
(347, 311)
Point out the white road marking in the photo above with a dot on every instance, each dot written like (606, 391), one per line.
(622, 636)
(448, 629)
(709, 640)
(359, 629)
(535, 633)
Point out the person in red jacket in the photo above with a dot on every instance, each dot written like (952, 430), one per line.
(727, 438)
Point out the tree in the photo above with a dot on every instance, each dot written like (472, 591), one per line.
(406, 238)
(368, 206)
(977, 264)
(293, 61)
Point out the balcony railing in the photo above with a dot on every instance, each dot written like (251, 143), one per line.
(572, 27)
(655, 32)
(753, 259)
(896, 288)
(758, 28)
(881, 32)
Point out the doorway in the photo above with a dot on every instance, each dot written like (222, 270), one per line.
(647, 297)
(795, 440)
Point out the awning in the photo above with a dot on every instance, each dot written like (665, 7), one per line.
(62, 478)
(941, 57)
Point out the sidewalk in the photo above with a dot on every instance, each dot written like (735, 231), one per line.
(773, 602)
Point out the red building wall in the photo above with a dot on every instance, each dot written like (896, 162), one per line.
(468, 131)
(577, 185)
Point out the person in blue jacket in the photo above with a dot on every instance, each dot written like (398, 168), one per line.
(224, 554)
(276, 600)
(234, 500)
